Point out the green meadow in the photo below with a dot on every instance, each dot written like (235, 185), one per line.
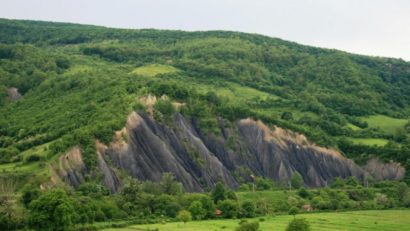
(386, 124)
(369, 141)
(154, 70)
(374, 220)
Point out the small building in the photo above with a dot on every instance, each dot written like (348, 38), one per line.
(218, 212)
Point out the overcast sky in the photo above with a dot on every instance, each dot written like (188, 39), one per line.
(373, 27)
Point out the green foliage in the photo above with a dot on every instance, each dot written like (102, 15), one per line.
(92, 189)
(169, 185)
(165, 205)
(297, 180)
(298, 225)
(29, 195)
(219, 193)
(53, 210)
(184, 216)
(303, 193)
(293, 211)
(248, 226)
(209, 207)
(164, 111)
(247, 209)
(263, 183)
(197, 210)
(287, 115)
(229, 208)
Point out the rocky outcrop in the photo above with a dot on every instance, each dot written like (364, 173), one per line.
(154, 149)
(71, 167)
(13, 94)
(385, 171)
(72, 170)
(246, 147)
(109, 177)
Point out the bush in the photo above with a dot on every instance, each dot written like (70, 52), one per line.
(184, 216)
(30, 195)
(297, 180)
(219, 192)
(303, 193)
(298, 225)
(53, 210)
(229, 208)
(33, 158)
(94, 190)
(248, 209)
(197, 210)
(293, 211)
(163, 110)
(248, 226)
(263, 184)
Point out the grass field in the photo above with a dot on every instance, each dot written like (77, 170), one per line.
(384, 220)
(369, 141)
(271, 196)
(353, 127)
(387, 124)
(154, 70)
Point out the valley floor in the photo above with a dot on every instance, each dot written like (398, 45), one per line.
(383, 220)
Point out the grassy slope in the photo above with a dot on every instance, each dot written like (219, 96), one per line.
(387, 124)
(154, 70)
(273, 197)
(97, 90)
(387, 220)
(369, 141)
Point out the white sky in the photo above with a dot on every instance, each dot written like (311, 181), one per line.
(373, 27)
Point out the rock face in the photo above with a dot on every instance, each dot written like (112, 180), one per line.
(242, 149)
(13, 94)
(72, 170)
(385, 171)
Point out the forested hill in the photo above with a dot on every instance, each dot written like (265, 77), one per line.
(63, 85)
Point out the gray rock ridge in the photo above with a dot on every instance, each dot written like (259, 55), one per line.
(384, 171)
(72, 170)
(154, 149)
(245, 148)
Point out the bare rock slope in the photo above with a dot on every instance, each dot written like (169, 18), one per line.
(244, 148)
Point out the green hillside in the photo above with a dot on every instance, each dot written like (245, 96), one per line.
(78, 84)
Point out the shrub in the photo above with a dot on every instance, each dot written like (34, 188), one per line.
(298, 225)
(184, 216)
(197, 210)
(229, 208)
(303, 193)
(33, 158)
(53, 210)
(248, 226)
(263, 184)
(297, 180)
(219, 193)
(30, 195)
(293, 211)
(248, 209)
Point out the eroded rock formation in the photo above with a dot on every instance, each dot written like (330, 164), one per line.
(243, 148)
(72, 170)
(384, 171)
(146, 149)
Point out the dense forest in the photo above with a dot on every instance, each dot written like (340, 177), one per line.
(64, 85)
